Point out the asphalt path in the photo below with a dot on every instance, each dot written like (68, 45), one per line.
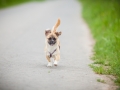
(23, 65)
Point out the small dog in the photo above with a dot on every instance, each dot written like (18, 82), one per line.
(52, 48)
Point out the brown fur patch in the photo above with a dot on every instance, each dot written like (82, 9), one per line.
(47, 32)
(58, 33)
(48, 58)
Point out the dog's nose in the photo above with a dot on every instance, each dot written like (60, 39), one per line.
(52, 41)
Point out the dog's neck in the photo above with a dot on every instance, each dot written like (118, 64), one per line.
(51, 48)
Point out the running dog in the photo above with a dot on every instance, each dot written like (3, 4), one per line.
(52, 48)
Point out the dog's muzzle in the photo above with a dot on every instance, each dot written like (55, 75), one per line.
(52, 42)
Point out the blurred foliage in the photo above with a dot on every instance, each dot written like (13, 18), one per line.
(103, 18)
(6, 3)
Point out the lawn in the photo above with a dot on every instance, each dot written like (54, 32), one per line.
(8, 3)
(103, 18)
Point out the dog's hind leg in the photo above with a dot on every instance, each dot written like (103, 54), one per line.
(49, 61)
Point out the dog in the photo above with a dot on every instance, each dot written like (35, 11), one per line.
(52, 44)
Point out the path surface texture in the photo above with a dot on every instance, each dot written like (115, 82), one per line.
(22, 40)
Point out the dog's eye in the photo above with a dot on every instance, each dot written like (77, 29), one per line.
(54, 38)
(49, 38)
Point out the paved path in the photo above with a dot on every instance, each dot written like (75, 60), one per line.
(22, 60)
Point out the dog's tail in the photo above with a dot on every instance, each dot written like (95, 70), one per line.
(54, 29)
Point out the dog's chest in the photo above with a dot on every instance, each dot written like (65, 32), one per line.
(52, 50)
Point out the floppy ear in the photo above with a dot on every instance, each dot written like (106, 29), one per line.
(47, 32)
(58, 33)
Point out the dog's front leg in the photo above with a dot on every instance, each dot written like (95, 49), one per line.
(56, 58)
(49, 61)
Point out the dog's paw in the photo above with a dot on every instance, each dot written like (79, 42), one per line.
(49, 64)
(55, 63)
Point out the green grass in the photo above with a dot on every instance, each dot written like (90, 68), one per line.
(103, 18)
(100, 69)
(100, 80)
(8, 3)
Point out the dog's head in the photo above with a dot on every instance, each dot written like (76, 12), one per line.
(52, 35)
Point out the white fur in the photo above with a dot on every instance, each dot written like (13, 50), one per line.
(55, 62)
(49, 64)
(48, 29)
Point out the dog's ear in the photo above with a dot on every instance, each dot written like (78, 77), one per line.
(47, 32)
(58, 33)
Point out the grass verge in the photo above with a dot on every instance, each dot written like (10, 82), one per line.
(103, 18)
(100, 80)
(8, 3)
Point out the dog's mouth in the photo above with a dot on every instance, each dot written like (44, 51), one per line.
(51, 44)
